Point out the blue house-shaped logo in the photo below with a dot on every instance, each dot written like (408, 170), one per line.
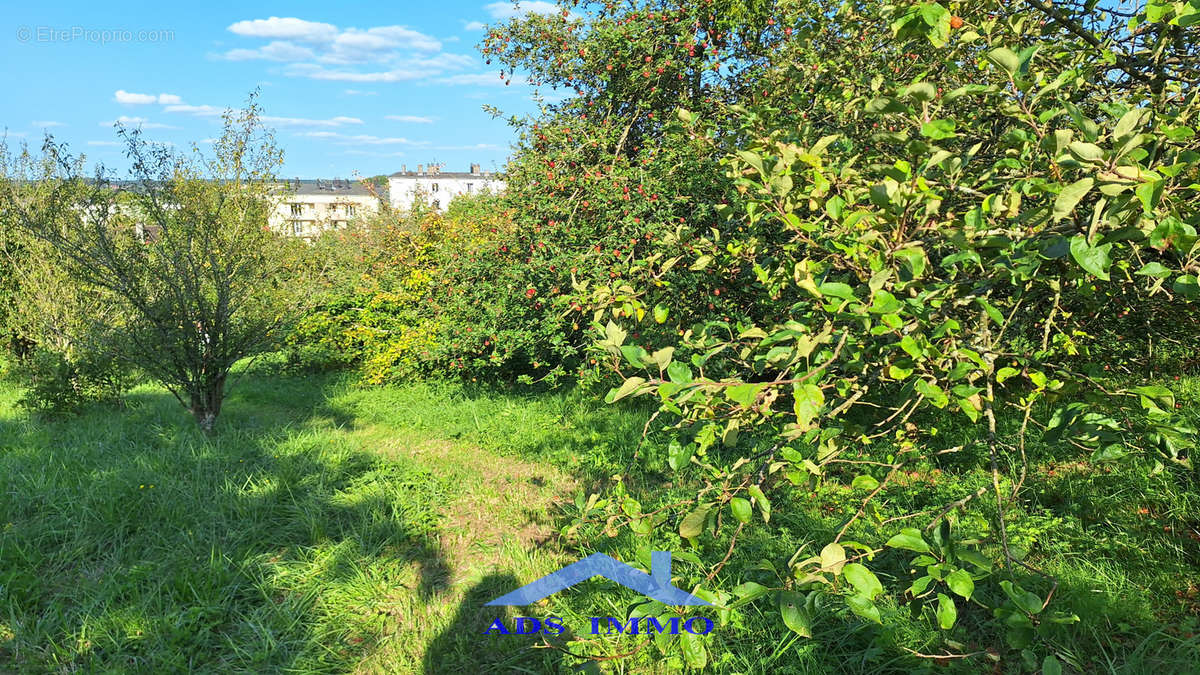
(656, 585)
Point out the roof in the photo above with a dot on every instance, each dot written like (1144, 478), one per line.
(444, 174)
(327, 186)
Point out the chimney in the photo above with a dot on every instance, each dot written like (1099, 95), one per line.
(403, 168)
(420, 169)
(474, 169)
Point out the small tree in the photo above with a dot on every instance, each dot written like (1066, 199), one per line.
(181, 254)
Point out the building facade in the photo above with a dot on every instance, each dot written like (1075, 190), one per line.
(309, 207)
(438, 187)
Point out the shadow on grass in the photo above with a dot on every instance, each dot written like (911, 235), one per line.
(467, 646)
(129, 541)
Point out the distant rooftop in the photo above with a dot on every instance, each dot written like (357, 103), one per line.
(326, 186)
(435, 170)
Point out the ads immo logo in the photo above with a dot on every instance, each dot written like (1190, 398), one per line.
(655, 585)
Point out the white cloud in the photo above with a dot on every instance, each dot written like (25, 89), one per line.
(199, 110)
(324, 51)
(477, 146)
(275, 51)
(371, 153)
(475, 25)
(141, 122)
(481, 80)
(508, 10)
(302, 122)
(316, 72)
(361, 139)
(276, 28)
(413, 119)
(378, 44)
(47, 124)
(130, 98)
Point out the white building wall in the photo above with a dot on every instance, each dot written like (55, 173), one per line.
(438, 189)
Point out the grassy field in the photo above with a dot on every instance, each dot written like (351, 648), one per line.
(331, 528)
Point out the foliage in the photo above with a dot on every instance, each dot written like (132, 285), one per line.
(179, 260)
(933, 236)
(380, 310)
(58, 386)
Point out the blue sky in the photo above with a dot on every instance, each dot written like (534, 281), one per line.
(349, 87)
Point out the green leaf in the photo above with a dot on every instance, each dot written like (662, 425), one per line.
(909, 539)
(1093, 259)
(1149, 195)
(679, 454)
(921, 91)
(809, 401)
(1026, 601)
(938, 129)
(693, 650)
(947, 613)
(1188, 286)
(1006, 59)
(693, 523)
(909, 344)
(1155, 269)
(1085, 152)
(1051, 666)
(933, 393)
(795, 614)
(913, 260)
(743, 394)
(1128, 123)
(864, 482)
(862, 606)
(627, 388)
(745, 592)
(679, 373)
(636, 356)
(837, 290)
(741, 509)
(960, 582)
(833, 556)
(863, 580)
(660, 314)
(1070, 196)
(764, 504)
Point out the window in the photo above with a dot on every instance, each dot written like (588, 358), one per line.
(469, 185)
(332, 208)
(350, 209)
(297, 209)
(297, 227)
(434, 188)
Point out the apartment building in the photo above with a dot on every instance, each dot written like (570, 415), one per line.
(437, 186)
(310, 207)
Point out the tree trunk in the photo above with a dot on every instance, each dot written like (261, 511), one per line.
(206, 404)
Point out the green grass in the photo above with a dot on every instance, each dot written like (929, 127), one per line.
(331, 528)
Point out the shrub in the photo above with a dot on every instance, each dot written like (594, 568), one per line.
(59, 385)
(938, 241)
